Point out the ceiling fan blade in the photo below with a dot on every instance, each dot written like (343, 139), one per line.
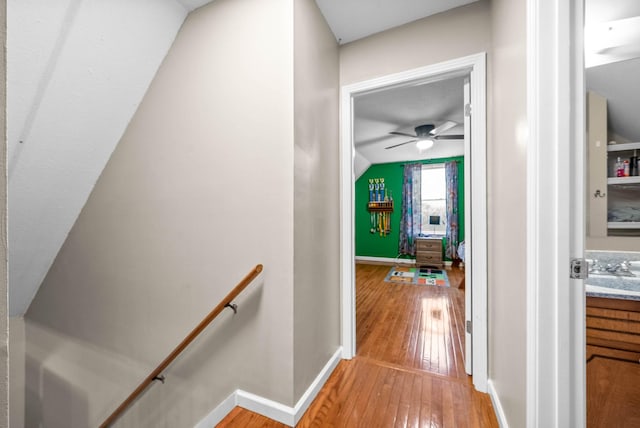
(443, 127)
(401, 144)
(448, 137)
(403, 134)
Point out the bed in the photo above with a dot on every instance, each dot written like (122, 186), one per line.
(461, 251)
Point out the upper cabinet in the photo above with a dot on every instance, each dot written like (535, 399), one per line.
(613, 177)
(623, 184)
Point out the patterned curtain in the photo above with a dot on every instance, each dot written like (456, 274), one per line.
(451, 174)
(411, 220)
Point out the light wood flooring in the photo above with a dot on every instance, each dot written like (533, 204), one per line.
(409, 368)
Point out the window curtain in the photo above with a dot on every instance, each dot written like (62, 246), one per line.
(451, 176)
(411, 220)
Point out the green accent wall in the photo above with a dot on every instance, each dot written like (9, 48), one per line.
(374, 245)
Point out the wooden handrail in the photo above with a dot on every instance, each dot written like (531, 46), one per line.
(155, 374)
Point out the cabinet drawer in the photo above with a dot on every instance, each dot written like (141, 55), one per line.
(428, 256)
(429, 245)
(613, 323)
(618, 354)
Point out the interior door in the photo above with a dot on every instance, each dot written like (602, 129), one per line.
(468, 354)
(611, 63)
(555, 220)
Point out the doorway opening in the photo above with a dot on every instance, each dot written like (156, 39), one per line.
(475, 200)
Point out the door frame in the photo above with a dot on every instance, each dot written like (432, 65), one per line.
(476, 200)
(556, 365)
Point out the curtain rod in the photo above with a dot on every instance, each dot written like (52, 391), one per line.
(420, 163)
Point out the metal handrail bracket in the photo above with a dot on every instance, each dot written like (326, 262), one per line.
(156, 374)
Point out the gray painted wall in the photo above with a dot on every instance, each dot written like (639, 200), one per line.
(498, 28)
(199, 189)
(16, 371)
(507, 189)
(4, 328)
(170, 224)
(316, 195)
(453, 34)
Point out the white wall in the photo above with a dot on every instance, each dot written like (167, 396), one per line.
(316, 201)
(199, 189)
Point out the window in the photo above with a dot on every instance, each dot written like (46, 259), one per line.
(434, 206)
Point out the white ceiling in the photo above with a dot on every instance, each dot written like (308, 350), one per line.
(612, 31)
(614, 71)
(398, 109)
(190, 5)
(618, 82)
(354, 19)
(401, 110)
(610, 10)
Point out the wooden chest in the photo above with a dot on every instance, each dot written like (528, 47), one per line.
(429, 252)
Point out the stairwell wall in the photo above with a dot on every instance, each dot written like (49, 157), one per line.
(4, 319)
(199, 189)
(316, 291)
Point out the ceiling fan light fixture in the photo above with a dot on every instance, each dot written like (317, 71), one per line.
(424, 144)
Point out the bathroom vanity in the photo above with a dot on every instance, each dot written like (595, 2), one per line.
(613, 362)
(613, 339)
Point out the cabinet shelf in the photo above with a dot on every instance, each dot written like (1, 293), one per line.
(610, 197)
(623, 180)
(623, 147)
(623, 225)
(386, 206)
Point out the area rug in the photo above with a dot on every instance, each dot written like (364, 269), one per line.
(418, 276)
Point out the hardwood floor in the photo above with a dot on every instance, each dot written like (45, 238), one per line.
(410, 326)
(409, 368)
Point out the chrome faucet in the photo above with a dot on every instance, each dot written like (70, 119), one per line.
(624, 267)
(619, 269)
(595, 266)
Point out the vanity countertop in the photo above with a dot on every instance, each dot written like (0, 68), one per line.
(613, 274)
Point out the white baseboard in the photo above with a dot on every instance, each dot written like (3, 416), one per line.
(497, 406)
(389, 261)
(310, 394)
(265, 407)
(216, 415)
(385, 260)
(272, 409)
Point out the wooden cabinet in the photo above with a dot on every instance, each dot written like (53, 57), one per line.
(613, 362)
(429, 252)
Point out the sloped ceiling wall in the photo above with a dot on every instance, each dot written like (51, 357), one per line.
(77, 70)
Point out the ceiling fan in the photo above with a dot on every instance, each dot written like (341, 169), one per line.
(426, 134)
